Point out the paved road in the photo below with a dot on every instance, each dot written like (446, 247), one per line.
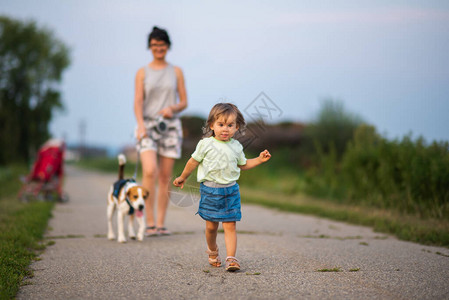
(286, 249)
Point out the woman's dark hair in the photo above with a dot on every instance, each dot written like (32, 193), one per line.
(159, 34)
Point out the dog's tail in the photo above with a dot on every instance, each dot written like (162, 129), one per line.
(121, 163)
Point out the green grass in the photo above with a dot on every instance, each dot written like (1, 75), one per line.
(279, 186)
(337, 269)
(439, 253)
(354, 270)
(405, 227)
(255, 273)
(21, 231)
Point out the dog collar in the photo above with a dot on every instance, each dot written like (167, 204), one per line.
(129, 184)
(131, 208)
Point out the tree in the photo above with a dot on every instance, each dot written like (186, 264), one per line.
(32, 61)
(332, 128)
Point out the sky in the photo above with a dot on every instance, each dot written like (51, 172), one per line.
(387, 61)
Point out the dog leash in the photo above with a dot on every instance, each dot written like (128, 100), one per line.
(137, 164)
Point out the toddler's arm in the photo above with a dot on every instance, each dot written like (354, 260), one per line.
(188, 169)
(264, 156)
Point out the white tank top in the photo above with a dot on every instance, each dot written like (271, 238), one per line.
(159, 90)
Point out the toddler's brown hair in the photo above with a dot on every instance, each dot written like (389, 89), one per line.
(224, 110)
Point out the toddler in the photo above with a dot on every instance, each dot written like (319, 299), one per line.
(219, 159)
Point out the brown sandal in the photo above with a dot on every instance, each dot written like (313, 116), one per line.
(232, 264)
(151, 231)
(215, 262)
(163, 231)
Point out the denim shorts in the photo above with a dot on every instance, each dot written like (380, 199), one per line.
(220, 204)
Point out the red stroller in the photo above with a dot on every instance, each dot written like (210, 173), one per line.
(45, 180)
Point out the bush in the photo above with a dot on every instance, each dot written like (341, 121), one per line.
(405, 175)
(331, 130)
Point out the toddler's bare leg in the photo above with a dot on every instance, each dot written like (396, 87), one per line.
(211, 235)
(230, 238)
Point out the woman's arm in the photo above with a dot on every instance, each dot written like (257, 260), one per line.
(182, 93)
(138, 103)
(190, 166)
(264, 156)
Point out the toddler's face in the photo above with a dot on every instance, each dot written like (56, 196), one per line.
(225, 129)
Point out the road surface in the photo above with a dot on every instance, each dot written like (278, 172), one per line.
(283, 256)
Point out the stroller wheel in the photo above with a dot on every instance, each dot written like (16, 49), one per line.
(49, 197)
(64, 198)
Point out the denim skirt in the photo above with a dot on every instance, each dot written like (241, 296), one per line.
(220, 204)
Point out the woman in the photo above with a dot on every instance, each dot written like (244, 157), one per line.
(159, 129)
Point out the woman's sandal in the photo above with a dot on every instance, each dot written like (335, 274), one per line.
(215, 262)
(163, 231)
(232, 264)
(151, 231)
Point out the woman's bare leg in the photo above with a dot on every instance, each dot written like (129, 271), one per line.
(164, 182)
(149, 173)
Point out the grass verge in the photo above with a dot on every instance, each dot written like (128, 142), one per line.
(405, 227)
(281, 188)
(22, 227)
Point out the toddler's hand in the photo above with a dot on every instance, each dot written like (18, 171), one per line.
(264, 156)
(179, 182)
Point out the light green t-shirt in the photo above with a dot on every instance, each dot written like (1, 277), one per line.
(219, 160)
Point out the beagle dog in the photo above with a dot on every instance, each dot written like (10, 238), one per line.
(128, 198)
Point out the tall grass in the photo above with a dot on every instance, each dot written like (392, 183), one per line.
(405, 175)
(277, 175)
